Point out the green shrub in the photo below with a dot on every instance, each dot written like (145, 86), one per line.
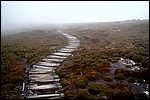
(140, 81)
(127, 73)
(81, 94)
(114, 60)
(97, 88)
(69, 95)
(119, 70)
(131, 80)
(145, 62)
(93, 75)
(103, 57)
(119, 76)
(17, 79)
(141, 95)
(65, 88)
(103, 70)
(121, 94)
(10, 86)
(80, 84)
(107, 78)
(64, 82)
(118, 85)
(59, 70)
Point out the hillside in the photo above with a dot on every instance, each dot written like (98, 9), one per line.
(94, 71)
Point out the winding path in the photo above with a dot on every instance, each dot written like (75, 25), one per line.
(43, 81)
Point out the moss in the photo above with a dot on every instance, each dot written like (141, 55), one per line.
(16, 79)
(81, 94)
(107, 78)
(65, 88)
(114, 60)
(80, 84)
(119, 76)
(131, 80)
(93, 75)
(140, 81)
(127, 73)
(69, 95)
(9, 86)
(97, 97)
(141, 95)
(103, 57)
(121, 94)
(97, 88)
(59, 70)
(118, 85)
(145, 62)
(64, 82)
(103, 70)
(119, 70)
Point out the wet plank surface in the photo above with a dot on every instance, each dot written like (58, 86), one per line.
(43, 81)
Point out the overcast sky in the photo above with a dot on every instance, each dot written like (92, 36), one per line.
(27, 12)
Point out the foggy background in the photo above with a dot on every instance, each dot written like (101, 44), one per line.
(19, 14)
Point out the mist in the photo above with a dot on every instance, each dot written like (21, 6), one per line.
(28, 14)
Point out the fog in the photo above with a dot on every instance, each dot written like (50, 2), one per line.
(17, 14)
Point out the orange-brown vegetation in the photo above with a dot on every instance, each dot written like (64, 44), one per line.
(32, 46)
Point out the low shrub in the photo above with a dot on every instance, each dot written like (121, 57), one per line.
(93, 75)
(141, 95)
(103, 57)
(121, 94)
(59, 70)
(107, 78)
(66, 88)
(119, 70)
(119, 76)
(127, 73)
(131, 80)
(10, 86)
(69, 95)
(145, 62)
(118, 85)
(81, 94)
(80, 84)
(97, 88)
(140, 81)
(16, 79)
(64, 82)
(103, 70)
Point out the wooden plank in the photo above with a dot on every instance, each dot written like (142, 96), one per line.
(45, 81)
(45, 87)
(70, 47)
(48, 64)
(39, 69)
(46, 77)
(61, 54)
(52, 60)
(39, 75)
(43, 67)
(66, 51)
(45, 96)
(41, 72)
(23, 86)
(55, 56)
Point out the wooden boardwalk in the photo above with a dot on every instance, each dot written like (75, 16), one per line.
(43, 81)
